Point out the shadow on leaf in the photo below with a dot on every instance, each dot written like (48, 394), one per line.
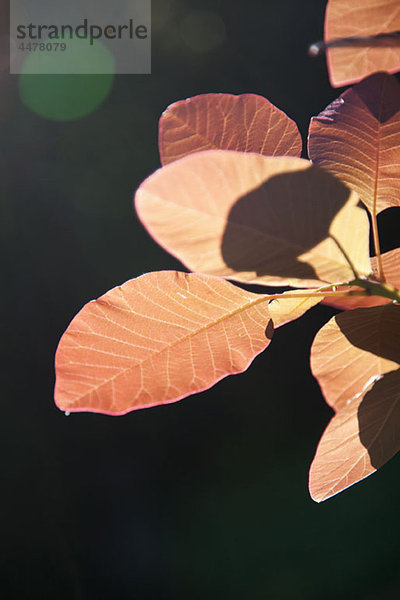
(375, 330)
(379, 419)
(271, 228)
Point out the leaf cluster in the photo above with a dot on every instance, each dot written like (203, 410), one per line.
(234, 201)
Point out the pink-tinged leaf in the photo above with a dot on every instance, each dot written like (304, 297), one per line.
(256, 219)
(157, 339)
(391, 268)
(357, 138)
(353, 349)
(362, 437)
(352, 61)
(247, 123)
(283, 310)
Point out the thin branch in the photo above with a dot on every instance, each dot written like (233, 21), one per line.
(378, 288)
(386, 40)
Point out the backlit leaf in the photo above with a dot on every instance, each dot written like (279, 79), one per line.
(357, 138)
(359, 439)
(353, 349)
(247, 123)
(351, 62)
(157, 339)
(272, 221)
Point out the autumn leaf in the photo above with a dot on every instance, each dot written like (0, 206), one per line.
(357, 138)
(351, 61)
(353, 349)
(362, 437)
(254, 219)
(248, 123)
(157, 339)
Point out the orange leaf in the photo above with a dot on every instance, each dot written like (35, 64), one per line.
(391, 268)
(157, 339)
(359, 439)
(353, 349)
(349, 63)
(272, 221)
(247, 123)
(357, 138)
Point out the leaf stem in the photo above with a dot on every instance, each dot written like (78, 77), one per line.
(317, 294)
(377, 246)
(370, 288)
(378, 288)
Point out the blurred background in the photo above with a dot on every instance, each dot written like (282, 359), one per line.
(205, 498)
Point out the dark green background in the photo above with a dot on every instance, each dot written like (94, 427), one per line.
(206, 498)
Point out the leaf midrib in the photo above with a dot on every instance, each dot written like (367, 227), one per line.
(255, 302)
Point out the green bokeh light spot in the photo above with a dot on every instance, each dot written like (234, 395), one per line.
(65, 97)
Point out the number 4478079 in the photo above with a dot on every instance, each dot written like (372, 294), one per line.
(42, 46)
